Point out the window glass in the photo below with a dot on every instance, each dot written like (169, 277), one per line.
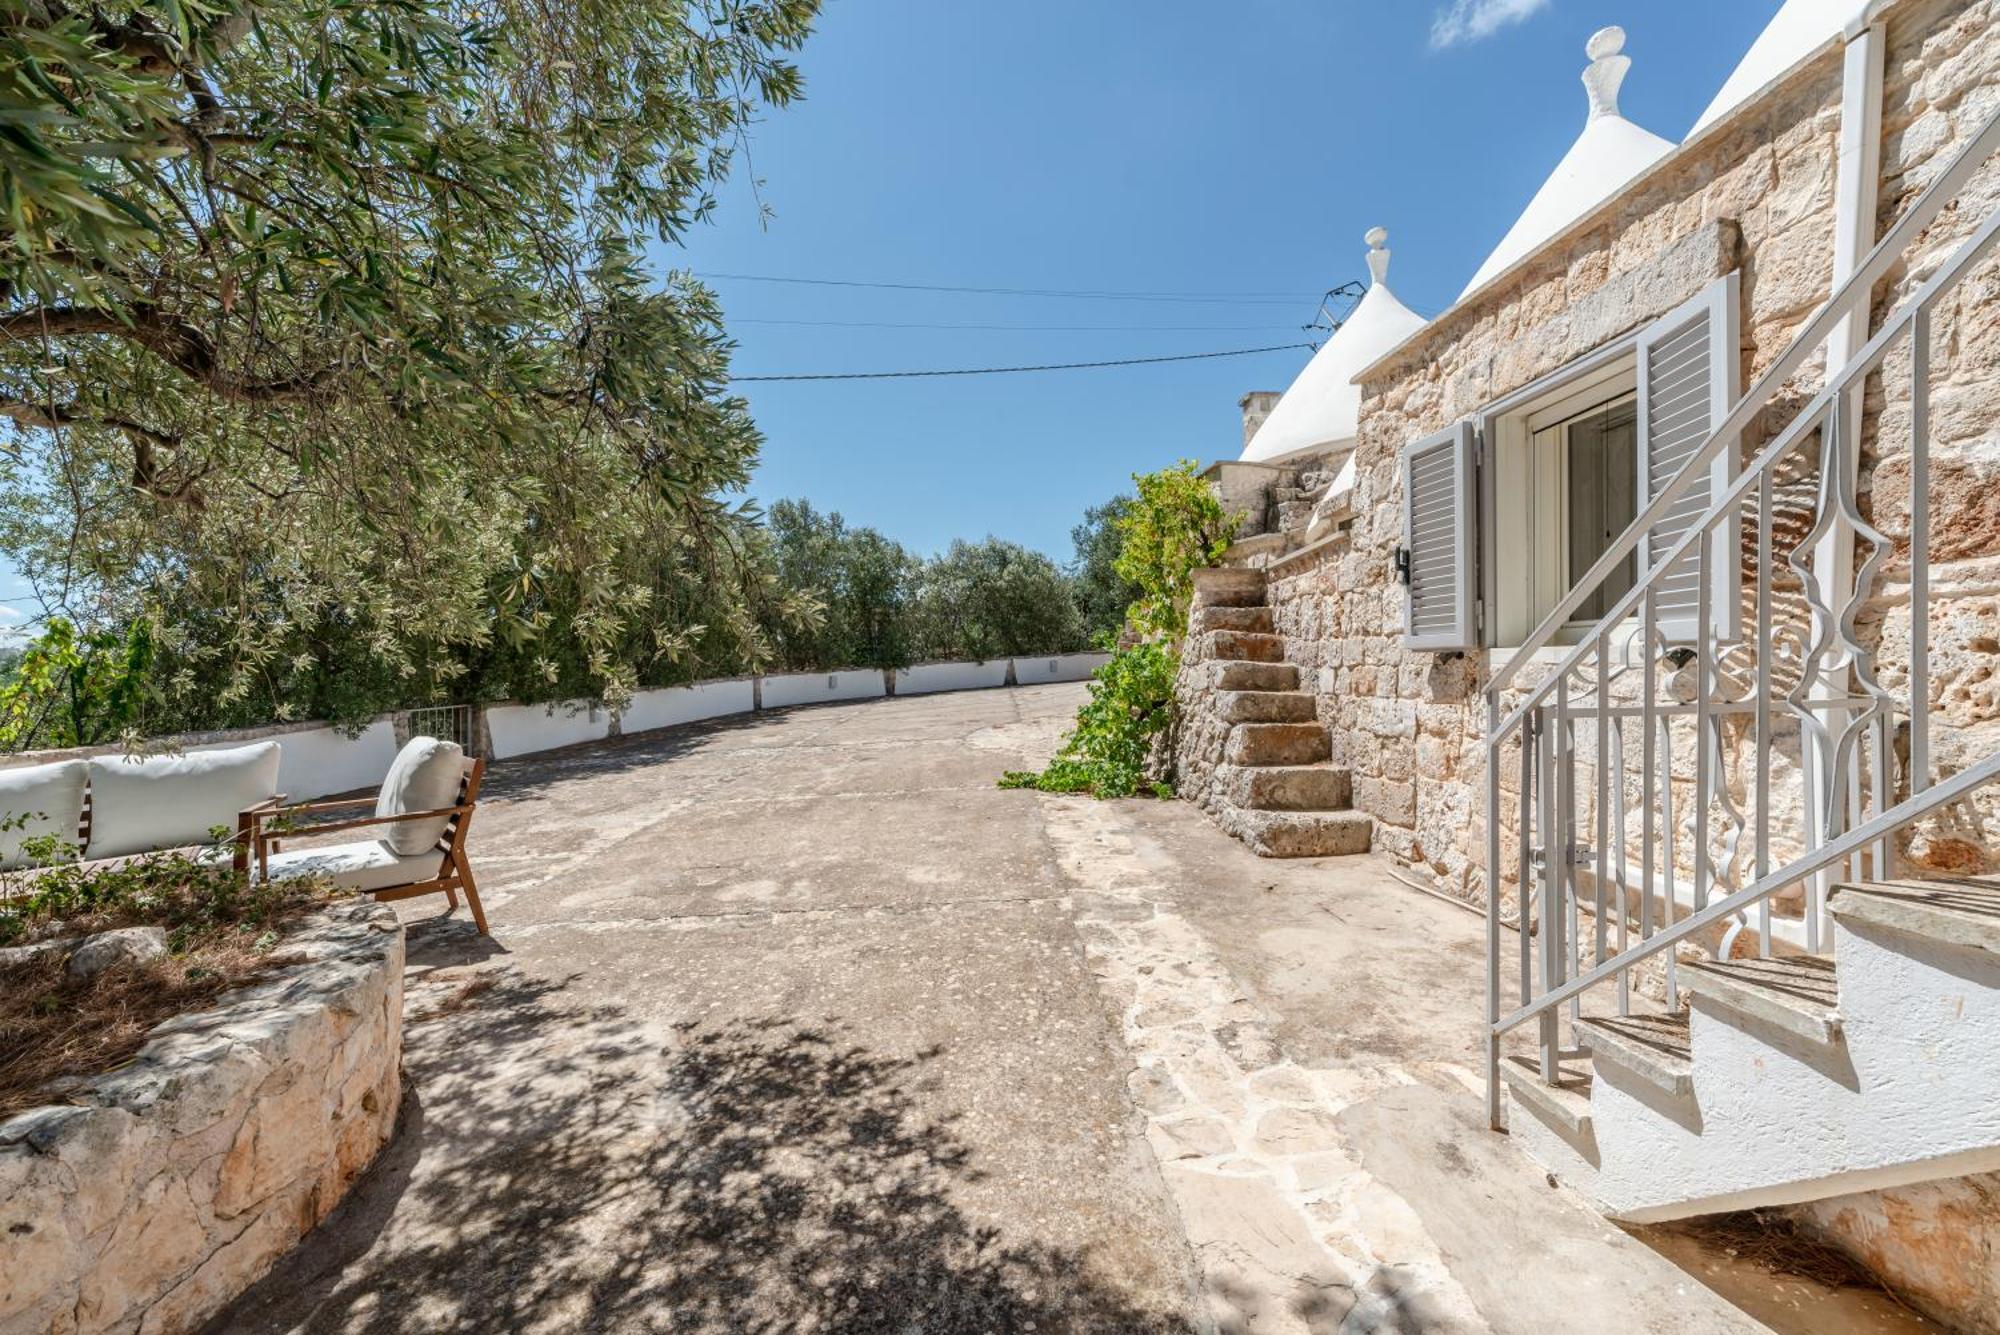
(1600, 456)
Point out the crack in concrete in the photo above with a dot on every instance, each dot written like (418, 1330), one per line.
(766, 915)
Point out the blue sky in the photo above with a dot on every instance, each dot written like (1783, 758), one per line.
(1114, 145)
(1164, 147)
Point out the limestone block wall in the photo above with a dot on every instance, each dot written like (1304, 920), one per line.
(161, 1190)
(1755, 196)
(1199, 734)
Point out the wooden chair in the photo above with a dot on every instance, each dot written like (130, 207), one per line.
(454, 871)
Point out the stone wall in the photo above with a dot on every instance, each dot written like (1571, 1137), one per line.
(1755, 196)
(163, 1189)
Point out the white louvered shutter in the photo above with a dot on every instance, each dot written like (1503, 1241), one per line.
(1438, 517)
(1688, 369)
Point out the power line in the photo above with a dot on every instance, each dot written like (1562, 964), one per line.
(1035, 328)
(1219, 298)
(1014, 370)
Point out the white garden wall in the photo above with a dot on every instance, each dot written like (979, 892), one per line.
(1062, 667)
(925, 678)
(806, 688)
(687, 704)
(516, 730)
(317, 760)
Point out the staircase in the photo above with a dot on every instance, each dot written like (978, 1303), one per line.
(1273, 788)
(1791, 1079)
(1669, 1075)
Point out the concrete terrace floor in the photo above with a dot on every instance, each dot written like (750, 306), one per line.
(798, 1023)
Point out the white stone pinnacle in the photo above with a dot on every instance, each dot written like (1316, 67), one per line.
(1378, 257)
(1607, 71)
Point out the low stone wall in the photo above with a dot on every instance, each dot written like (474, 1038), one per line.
(163, 1189)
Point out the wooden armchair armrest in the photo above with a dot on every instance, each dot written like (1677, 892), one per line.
(337, 804)
(249, 828)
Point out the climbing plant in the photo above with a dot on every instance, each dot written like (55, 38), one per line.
(1173, 527)
(1106, 753)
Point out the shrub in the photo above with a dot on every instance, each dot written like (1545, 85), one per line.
(994, 599)
(1176, 527)
(1131, 703)
(1102, 594)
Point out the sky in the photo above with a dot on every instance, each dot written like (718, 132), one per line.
(1233, 152)
(1170, 147)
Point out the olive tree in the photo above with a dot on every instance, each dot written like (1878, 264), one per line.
(337, 324)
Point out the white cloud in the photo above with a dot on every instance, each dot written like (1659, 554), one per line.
(12, 613)
(1474, 20)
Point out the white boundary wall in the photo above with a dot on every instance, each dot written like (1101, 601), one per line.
(927, 678)
(317, 760)
(806, 688)
(669, 705)
(1061, 667)
(518, 730)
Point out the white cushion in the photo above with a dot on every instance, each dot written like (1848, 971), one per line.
(423, 777)
(49, 797)
(137, 806)
(365, 865)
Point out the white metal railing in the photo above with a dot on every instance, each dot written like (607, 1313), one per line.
(1629, 739)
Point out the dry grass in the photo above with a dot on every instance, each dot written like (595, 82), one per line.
(221, 934)
(1775, 1244)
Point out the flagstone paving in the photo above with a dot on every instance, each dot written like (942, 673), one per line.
(797, 1023)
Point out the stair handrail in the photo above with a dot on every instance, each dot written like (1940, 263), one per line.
(1858, 366)
(1852, 295)
(1819, 859)
(1849, 728)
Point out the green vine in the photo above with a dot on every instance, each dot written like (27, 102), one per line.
(1175, 527)
(1131, 702)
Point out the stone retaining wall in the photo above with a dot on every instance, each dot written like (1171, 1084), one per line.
(164, 1188)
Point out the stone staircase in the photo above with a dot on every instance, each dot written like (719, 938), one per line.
(1791, 1079)
(1272, 786)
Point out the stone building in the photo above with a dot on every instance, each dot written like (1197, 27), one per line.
(1655, 612)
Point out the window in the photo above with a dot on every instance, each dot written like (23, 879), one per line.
(1565, 487)
(1507, 512)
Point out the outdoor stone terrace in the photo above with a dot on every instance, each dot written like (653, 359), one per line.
(798, 1023)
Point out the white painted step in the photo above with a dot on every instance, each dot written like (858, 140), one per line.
(1791, 1081)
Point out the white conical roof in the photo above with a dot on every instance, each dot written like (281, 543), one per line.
(1799, 30)
(1609, 153)
(1321, 409)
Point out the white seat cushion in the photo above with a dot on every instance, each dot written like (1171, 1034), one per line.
(423, 777)
(137, 806)
(367, 864)
(37, 800)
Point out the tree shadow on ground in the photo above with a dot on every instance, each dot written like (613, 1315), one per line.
(747, 1176)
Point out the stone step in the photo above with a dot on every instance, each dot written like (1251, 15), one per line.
(1300, 834)
(1256, 677)
(1229, 586)
(1793, 993)
(1277, 744)
(1265, 707)
(1287, 787)
(1961, 911)
(1254, 619)
(1653, 1047)
(1246, 646)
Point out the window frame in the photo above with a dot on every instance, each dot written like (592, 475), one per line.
(1721, 296)
(1600, 364)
